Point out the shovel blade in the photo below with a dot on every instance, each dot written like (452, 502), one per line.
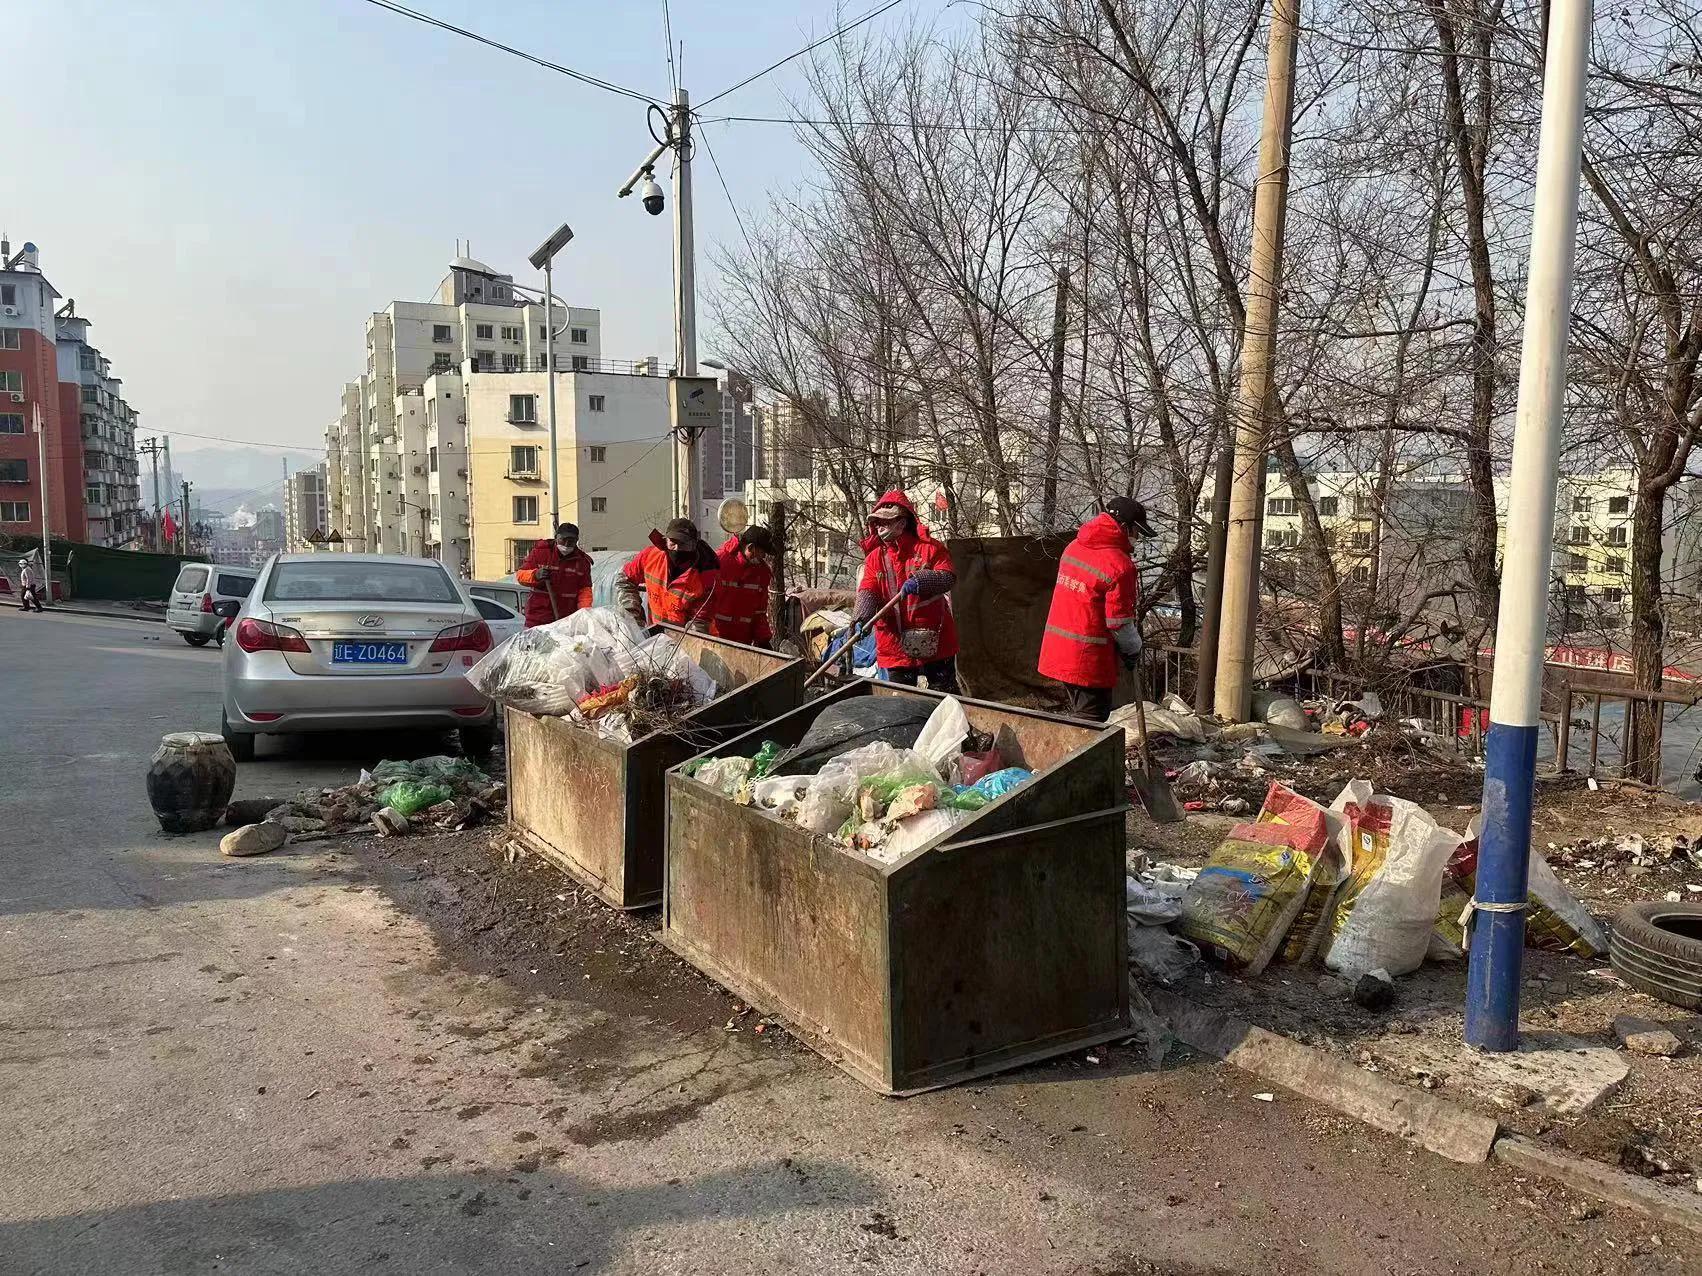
(1156, 795)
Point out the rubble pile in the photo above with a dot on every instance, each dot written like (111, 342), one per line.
(438, 792)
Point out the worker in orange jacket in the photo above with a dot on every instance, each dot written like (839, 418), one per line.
(674, 578)
(739, 611)
(1092, 627)
(558, 573)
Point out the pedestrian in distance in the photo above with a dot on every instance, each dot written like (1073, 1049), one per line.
(917, 638)
(1093, 623)
(558, 573)
(29, 586)
(739, 609)
(674, 577)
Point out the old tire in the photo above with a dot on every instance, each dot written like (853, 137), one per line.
(477, 742)
(195, 640)
(1657, 949)
(240, 743)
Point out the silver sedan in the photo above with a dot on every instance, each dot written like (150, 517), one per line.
(354, 642)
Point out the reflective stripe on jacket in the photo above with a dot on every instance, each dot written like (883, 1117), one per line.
(680, 599)
(739, 610)
(1098, 590)
(885, 569)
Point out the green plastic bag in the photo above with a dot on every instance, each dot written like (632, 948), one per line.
(407, 797)
(764, 760)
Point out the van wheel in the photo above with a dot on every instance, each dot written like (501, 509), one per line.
(477, 742)
(195, 640)
(240, 743)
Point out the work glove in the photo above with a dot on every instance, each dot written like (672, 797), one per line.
(910, 586)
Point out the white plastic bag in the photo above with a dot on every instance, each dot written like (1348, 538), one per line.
(942, 735)
(1149, 906)
(725, 775)
(781, 793)
(535, 672)
(1386, 906)
(908, 834)
(662, 656)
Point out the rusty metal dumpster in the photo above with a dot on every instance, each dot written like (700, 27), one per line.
(1001, 942)
(596, 807)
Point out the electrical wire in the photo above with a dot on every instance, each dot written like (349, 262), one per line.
(403, 11)
(737, 216)
(668, 39)
(834, 35)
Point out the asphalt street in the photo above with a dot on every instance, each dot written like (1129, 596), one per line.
(276, 1065)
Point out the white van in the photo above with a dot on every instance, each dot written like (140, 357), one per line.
(189, 610)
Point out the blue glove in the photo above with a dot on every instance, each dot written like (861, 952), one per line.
(911, 586)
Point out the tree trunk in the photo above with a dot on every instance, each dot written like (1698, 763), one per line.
(1055, 402)
(1648, 633)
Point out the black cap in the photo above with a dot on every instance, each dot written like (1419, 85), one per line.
(567, 529)
(1130, 513)
(757, 537)
(682, 529)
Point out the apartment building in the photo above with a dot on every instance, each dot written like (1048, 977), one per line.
(1591, 569)
(306, 507)
(614, 453)
(54, 383)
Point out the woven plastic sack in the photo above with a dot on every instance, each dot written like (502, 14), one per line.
(1555, 921)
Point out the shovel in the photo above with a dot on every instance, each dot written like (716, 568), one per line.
(1147, 779)
(857, 637)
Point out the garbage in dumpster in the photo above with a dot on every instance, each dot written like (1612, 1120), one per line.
(725, 775)
(1000, 783)
(942, 736)
(1242, 903)
(853, 724)
(765, 758)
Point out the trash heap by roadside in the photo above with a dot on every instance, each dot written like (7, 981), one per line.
(1370, 886)
(881, 775)
(598, 670)
(438, 792)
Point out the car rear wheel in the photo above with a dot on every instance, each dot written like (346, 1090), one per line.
(240, 743)
(195, 640)
(477, 742)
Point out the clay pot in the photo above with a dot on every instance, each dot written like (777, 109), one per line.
(190, 781)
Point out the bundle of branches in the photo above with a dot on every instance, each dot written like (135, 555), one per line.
(659, 703)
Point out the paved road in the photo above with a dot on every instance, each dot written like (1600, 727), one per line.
(283, 1065)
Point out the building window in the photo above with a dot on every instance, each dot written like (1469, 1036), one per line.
(1616, 564)
(517, 551)
(599, 455)
(599, 505)
(14, 511)
(510, 362)
(596, 404)
(525, 509)
(1281, 506)
(523, 409)
(581, 363)
(1361, 575)
(8, 294)
(543, 332)
(1616, 536)
(1362, 540)
(510, 333)
(440, 333)
(1613, 595)
(1328, 506)
(1282, 538)
(578, 336)
(498, 293)
(441, 364)
(11, 339)
(1619, 505)
(91, 493)
(431, 459)
(11, 422)
(1574, 593)
(1580, 505)
(522, 460)
(13, 381)
(484, 361)
(14, 471)
(1579, 536)
(482, 332)
(1577, 563)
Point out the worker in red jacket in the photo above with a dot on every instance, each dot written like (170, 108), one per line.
(675, 578)
(739, 612)
(918, 637)
(558, 573)
(1092, 622)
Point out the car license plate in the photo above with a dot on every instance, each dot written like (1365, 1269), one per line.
(369, 653)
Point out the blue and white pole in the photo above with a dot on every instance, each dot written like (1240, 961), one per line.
(1498, 929)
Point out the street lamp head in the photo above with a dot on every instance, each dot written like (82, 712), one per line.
(551, 246)
(651, 195)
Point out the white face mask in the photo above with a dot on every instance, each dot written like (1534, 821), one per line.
(887, 532)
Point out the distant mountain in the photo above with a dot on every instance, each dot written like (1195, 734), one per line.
(223, 478)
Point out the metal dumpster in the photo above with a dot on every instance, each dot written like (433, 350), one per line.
(1001, 942)
(596, 807)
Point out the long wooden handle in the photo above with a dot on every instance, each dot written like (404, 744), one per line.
(856, 638)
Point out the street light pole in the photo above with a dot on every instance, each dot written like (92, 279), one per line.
(544, 259)
(1509, 778)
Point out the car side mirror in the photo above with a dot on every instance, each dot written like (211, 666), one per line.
(227, 607)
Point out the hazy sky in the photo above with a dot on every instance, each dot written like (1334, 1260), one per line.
(229, 188)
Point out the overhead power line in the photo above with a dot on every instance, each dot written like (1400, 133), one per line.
(834, 35)
(592, 80)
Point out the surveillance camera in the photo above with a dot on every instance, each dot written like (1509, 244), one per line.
(651, 194)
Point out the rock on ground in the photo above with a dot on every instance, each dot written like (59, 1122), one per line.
(253, 839)
(1645, 1036)
(249, 810)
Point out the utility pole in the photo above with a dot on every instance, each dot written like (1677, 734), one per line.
(544, 259)
(1240, 607)
(152, 447)
(44, 484)
(1498, 918)
(188, 541)
(168, 474)
(1217, 541)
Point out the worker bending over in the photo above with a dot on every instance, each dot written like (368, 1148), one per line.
(558, 573)
(1094, 604)
(739, 612)
(918, 637)
(676, 575)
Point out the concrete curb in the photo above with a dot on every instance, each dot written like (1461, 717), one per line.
(63, 610)
(1434, 1123)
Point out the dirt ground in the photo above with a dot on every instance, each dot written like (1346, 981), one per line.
(1652, 1123)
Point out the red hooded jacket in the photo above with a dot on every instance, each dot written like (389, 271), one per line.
(920, 630)
(674, 598)
(569, 581)
(1098, 590)
(739, 612)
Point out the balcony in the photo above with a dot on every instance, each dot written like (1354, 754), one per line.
(523, 476)
(564, 363)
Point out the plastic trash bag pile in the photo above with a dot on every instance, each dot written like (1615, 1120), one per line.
(598, 670)
(881, 775)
